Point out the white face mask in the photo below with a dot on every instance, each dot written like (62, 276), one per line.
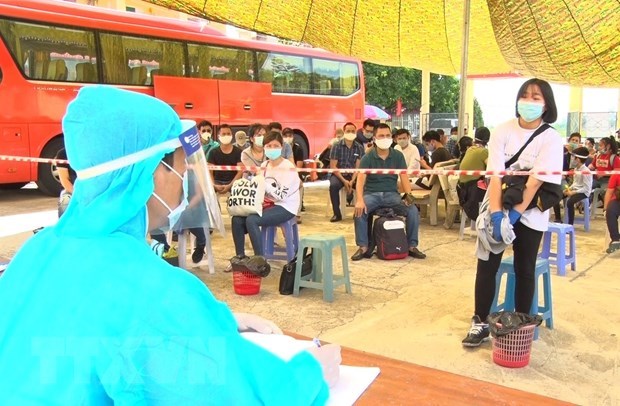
(258, 140)
(175, 214)
(384, 143)
(225, 139)
(288, 140)
(403, 143)
(350, 136)
(205, 135)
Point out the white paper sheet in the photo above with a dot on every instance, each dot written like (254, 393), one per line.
(19, 223)
(353, 380)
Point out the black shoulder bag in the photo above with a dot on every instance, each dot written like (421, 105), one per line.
(287, 278)
(547, 196)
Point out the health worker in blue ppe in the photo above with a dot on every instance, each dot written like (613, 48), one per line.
(91, 317)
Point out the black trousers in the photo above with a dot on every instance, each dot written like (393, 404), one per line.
(570, 205)
(525, 247)
(612, 214)
(335, 184)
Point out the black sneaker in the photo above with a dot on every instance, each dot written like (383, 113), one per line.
(335, 218)
(613, 247)
(478, 333)
(198, 254)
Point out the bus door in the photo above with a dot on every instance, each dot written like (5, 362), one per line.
(14, 142)
(243, 103)
(191, 98)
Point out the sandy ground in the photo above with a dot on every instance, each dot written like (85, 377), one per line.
(419, 310)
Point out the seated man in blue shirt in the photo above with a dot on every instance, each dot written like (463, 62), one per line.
(381, 191)
(345, 154)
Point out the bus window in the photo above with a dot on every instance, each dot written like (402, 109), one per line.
(211, 62)
(335, 78)
(51, 53)
(286, 73)
(131, 60)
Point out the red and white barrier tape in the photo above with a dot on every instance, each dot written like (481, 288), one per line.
(30, 159)
(411, 172)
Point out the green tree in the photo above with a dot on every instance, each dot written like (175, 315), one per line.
(386, 84)
(478, 120)
(444, 94)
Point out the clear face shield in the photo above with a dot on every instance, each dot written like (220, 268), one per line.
(198, 205)
(202, 209)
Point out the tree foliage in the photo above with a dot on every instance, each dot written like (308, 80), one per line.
(386, 84)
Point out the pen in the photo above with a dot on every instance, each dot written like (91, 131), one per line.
(316, 342)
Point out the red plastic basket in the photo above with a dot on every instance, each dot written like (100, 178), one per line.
(513, 350)
(246, 283)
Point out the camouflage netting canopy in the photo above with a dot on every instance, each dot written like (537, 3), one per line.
(564, 41)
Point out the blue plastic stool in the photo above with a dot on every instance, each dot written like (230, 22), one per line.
(559, 257)
(291, 237)
(586, 214)
(322, 276)
(542, 269)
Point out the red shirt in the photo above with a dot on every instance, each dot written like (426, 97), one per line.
(614, 182)
(601, 162)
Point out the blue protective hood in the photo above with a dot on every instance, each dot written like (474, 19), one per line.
(97, 131)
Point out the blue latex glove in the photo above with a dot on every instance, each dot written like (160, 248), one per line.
(514, 216)
(496, 221)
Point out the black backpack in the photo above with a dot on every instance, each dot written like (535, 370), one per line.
(389, 236)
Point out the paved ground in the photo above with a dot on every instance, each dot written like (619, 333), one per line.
(419, 310)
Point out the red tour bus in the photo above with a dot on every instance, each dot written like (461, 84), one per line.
(50, 49)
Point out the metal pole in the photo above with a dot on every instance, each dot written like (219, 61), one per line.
(464, 55)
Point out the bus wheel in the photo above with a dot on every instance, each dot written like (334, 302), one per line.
(47, 176)
(300, 138)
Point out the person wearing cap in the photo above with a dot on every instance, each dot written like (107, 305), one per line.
(475, 159)
(205, 128)
(90, 316)
(241, 140)
(582, 182)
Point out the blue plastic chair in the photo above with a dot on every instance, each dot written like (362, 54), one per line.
(322, 275)
(585, 220)
(559, 258)
(291, 237)
(542, 269)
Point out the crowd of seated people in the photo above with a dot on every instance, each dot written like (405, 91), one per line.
(378, 146)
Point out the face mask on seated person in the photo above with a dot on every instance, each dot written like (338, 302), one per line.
(225, 139)
(273, 153)
(384, 143)
(403, 143)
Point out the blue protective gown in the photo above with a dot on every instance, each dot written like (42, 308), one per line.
(90, 316)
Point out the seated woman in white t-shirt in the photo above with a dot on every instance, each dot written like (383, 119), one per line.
(410, 151)
(281, 187)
